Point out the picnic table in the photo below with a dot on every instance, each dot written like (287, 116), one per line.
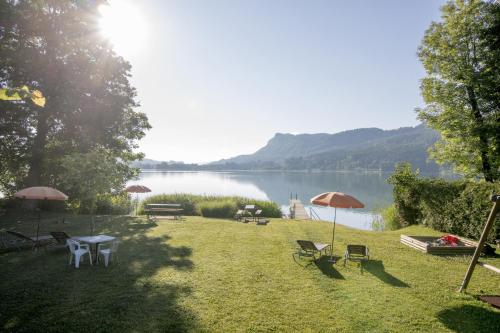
(94, 240)
(174, 209)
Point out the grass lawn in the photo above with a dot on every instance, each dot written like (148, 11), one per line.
(223, 276)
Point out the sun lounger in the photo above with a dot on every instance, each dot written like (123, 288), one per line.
(356, 253)
(309, 249)
(36, 243)
(239, 214)
(61, 237)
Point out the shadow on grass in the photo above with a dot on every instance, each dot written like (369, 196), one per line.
(42, 293)
(469, 318)
(328, 268)
(376, 268)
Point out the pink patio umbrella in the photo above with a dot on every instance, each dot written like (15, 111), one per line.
(40, 193)
(137, 189)
(336, 200)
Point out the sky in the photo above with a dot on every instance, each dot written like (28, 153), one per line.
(219, 78)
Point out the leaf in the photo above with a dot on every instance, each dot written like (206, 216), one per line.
(6, 95)
(18, 94)
(37, 98)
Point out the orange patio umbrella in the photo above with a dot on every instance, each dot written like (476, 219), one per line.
(336, 200)
(40, 193)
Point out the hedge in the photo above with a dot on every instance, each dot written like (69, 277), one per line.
(460, 206)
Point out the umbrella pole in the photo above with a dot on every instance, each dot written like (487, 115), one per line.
(37, 229)
(333, 236)
(136, 203)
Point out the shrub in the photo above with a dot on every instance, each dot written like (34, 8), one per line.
(219, 208)
(113, 204)
(386, 219)
(455, 206)
(190, 203)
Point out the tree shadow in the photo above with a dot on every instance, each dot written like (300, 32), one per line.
(470, 318)
(43, 293)
(327, 268)
(376, 268)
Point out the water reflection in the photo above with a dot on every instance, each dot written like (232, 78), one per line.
(371, 189)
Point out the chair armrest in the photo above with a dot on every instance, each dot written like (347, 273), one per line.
(102, 246)
(86, 246)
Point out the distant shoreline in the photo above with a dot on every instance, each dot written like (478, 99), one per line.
(379, 172)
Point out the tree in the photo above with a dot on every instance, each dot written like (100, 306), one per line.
(54, 46)
(461, 58)
(86, 176)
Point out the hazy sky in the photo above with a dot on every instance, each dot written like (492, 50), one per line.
(219, 78)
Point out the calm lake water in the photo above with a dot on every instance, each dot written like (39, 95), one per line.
(369, 188)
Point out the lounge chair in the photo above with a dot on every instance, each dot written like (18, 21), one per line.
(36, 243)
(356, 253)
(309, 249)
(239, 214)
(61, 237)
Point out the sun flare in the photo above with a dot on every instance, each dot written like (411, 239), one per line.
(123, 24)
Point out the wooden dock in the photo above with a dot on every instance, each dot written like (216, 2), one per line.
(298, 212)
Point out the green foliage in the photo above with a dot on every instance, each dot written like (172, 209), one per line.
(461, 56)
(220, 208)
(87, 177)
(190, 203)
(406, 192)
(52, 47)
(390, 218)
(113, 204)
(460, 206)
(386, 218)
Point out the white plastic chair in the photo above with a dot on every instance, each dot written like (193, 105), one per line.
(107, 253)
(78, 250)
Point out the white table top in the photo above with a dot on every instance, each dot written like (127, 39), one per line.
(95, 239)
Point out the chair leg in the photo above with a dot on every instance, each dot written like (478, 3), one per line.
(106, 259)
(70, 258)
(90, 258)
(77, 260)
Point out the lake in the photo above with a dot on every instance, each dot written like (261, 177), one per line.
(369, 188)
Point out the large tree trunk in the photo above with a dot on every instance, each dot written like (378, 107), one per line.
(483, 141)
(38, 152)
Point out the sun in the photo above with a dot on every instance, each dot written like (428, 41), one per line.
(123, 24)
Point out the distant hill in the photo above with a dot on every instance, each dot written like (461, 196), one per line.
(364, 148)
(359, 149)
(151, 164)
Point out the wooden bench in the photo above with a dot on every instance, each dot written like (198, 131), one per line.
(174, 210)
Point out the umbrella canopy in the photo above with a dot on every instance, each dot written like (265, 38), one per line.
(41, 193)
(137, 189)
(337, 200)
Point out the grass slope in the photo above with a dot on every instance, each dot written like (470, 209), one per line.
(223, 276)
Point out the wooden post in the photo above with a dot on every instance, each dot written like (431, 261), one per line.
(487, 228)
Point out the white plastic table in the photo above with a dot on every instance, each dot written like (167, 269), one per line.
(95, 240)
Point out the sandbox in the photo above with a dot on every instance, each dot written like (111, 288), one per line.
(429, 244)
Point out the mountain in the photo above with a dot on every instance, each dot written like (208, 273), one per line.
(359, 149)
(364, 148)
